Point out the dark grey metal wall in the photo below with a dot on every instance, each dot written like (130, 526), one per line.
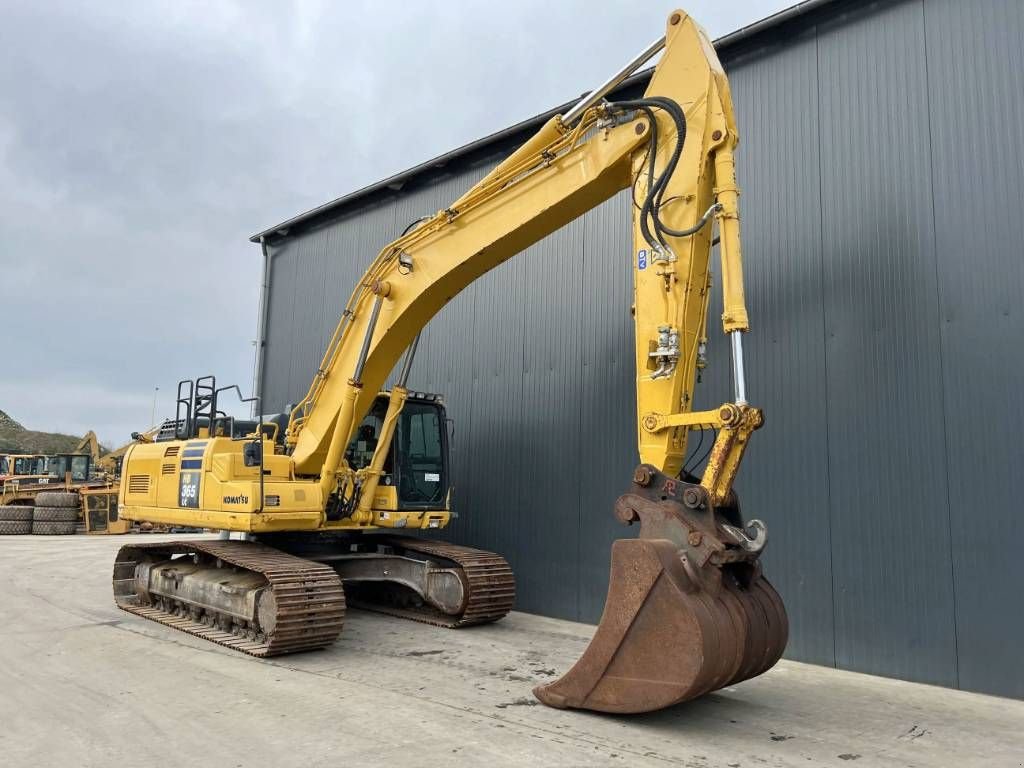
(883, 222)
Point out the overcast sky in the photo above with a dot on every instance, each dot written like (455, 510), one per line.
(141, 143)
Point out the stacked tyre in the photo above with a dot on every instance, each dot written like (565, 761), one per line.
(15, 520)
(55, 513)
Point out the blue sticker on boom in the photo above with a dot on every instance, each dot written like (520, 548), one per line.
(641, 259)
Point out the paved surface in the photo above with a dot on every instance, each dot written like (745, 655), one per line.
(83, 684)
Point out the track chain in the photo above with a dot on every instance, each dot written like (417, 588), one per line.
(310, 598)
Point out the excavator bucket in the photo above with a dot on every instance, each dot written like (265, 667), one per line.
(687, 612)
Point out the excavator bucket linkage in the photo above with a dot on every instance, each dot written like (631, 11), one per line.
(688, 610)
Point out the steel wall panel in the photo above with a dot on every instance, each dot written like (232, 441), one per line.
(785, 476)
(882, 226)
(276, 389)
(976, 79)
(550, 420)
(490, 481)
(887, 449)
(606, 390)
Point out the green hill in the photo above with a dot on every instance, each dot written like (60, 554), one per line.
(14, 438)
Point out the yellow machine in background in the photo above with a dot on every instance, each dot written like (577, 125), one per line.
(99, 504)
(87, 482)
(110, 463)
(320, 490)
(22, 466)
(100, 511)
(90, 446)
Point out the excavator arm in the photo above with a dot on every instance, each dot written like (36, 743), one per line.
(108, 462)
(89, 444)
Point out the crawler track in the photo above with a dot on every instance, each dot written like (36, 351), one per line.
(489, 581)
(309, 596)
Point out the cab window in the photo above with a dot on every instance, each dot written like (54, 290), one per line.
(360, 450)
(80, 468)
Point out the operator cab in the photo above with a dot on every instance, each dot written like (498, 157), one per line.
(417, 464)
(22, 465)
(22, 469)
(78, 466)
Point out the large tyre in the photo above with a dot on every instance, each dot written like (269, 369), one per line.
(15, 527)
(55, 515)
(56, 499)
(53, 529)
(15, 513)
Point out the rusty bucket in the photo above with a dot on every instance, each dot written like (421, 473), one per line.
(688, 610)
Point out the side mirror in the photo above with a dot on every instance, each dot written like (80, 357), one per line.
(252, 453)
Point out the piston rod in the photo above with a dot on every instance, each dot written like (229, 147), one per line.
(608, 85)
(738, 378)
(357, 375)
(403, 377)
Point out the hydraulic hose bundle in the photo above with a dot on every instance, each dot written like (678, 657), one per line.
(652, 227)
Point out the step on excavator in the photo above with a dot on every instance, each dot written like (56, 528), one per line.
(318, 493)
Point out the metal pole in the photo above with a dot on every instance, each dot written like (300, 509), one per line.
(261, 329)
(258, 407)
(403, 377)
(738, 379)
(608, 85)
(152, 412)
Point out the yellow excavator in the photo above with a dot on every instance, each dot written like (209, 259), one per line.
(90, 446)
(110, 462)
(317, 494)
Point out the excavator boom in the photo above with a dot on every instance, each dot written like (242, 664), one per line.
(675, 148)
(89, 444)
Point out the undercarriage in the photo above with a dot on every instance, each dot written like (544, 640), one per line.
(287, 592)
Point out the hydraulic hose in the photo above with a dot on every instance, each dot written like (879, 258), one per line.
(650, 210)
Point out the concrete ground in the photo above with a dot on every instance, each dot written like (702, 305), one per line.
(83, 684)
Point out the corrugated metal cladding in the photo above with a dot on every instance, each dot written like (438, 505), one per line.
(883, 223)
